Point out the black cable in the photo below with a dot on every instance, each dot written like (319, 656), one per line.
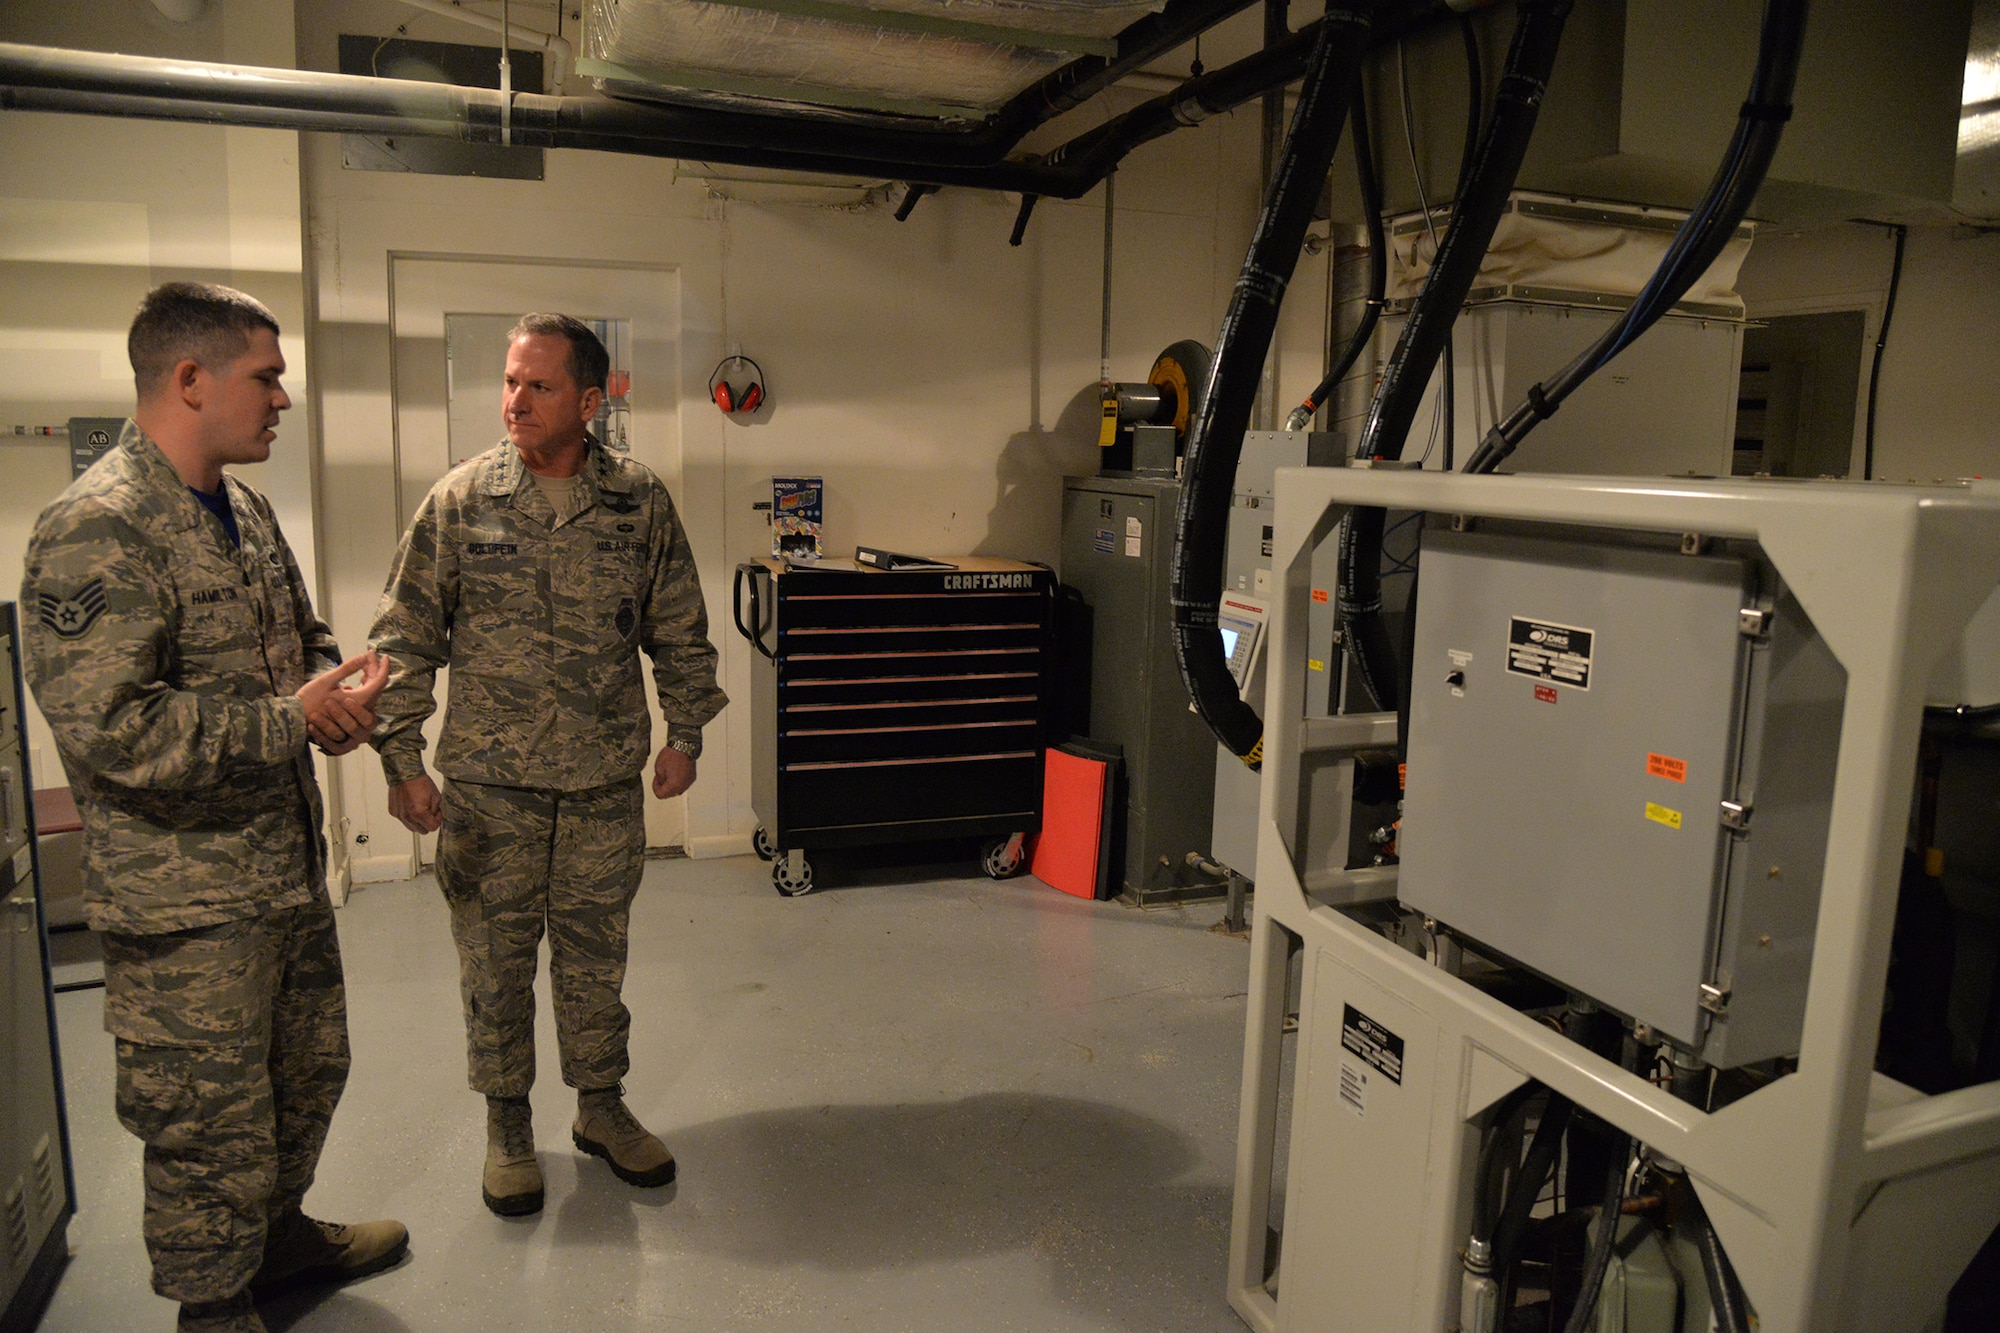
(1701, 237)
(1499, 1157)
(1528, 1183)
(1503, 143)
(1726, 1298)
(1604, 1240)
(1475, 97)
(1215, 437)
(1882, 341)
(1378, 263)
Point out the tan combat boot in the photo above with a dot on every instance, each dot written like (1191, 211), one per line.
(605, 1128)
(300, 1249)
(512, 1183)
(234, 1314)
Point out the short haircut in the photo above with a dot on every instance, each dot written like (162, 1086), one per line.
(201, 322)
(589, 363)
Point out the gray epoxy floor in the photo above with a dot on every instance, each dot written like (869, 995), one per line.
(898, 1103)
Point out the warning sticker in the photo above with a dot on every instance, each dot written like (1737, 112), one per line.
(1546, 693)
(1372, 1042)
(1660, 766)
(1659, 814)
(1547, 651)
(1105, 542)
(1319, 594)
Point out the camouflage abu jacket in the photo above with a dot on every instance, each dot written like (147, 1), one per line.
(165, 663)
(541, 624)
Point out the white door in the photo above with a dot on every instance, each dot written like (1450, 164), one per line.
(436, 387)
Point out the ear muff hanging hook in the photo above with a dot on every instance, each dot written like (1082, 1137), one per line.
(727, 397)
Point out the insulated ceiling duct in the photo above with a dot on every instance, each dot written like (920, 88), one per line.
(934, 58)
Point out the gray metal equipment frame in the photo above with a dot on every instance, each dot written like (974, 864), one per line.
(1846, 1201)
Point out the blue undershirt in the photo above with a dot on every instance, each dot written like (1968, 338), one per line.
(218, 505)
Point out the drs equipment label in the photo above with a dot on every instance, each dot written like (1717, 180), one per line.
(1544, 650)
(1372, 1042)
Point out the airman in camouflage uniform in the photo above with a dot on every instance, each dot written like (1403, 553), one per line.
(174, 651)
(538, 571)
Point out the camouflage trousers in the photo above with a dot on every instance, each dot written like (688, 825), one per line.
(513, 862)
(232, 1053)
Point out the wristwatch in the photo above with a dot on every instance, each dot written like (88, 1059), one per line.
(687, 745)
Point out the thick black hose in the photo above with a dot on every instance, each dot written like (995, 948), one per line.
(1378, 264)
(1726, 1299)
(1603, 1241)
(1502, 145)
(1499, 1157)
(1528, 1183)
(1215, 439)
(1700, 239)
(1516, 105)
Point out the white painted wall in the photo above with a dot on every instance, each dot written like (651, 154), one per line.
(940, 381)
(93, 212)
(1938, 410)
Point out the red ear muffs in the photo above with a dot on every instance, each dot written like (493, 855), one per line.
(727, 398)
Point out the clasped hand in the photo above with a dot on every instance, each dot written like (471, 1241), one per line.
(340, 717)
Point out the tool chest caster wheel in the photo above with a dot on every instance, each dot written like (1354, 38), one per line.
(792, 874)
(1003, 858)
(760, 843)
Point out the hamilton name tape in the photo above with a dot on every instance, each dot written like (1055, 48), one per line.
(987, 582)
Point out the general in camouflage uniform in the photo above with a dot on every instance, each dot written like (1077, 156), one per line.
(538, 571)
(174, 651)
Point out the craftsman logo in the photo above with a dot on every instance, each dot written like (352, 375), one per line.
(1544, 650)
(212, 596)
(988, 582)
(71, 616)
(1546, 693)
(1372, 1042)
(627, 618)
(1660, 766)
(492, 548)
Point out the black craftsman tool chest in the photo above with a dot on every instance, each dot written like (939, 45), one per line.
(895, 705)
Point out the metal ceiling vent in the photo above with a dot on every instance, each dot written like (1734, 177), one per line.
(931, 58)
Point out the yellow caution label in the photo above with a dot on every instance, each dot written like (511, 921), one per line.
(1107, 429)
(1659, 814)
(1314, 664)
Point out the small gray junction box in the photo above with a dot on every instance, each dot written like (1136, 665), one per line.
(1620, 774)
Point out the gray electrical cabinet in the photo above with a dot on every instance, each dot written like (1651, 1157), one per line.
(1117, 550)
(36, 1194)
(1620, 773)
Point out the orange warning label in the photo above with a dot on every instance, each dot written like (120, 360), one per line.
(1319, 594)
(1660, 766)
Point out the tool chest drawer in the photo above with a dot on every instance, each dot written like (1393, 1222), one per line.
(896, 705)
